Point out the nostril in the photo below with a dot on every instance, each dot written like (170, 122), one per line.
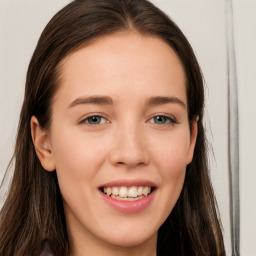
(131, 163)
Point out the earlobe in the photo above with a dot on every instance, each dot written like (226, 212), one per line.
(193, 137)
(42, 144)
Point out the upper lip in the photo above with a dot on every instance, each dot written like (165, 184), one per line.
(128, 183)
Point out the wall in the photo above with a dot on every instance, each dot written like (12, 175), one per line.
(204, 22)
(245, 42)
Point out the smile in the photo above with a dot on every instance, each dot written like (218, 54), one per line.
(128, 197)
(127, 193)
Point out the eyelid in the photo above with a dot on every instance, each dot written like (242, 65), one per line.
(86, 117)
(170, 117)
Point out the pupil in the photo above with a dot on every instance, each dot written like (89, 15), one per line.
(95, 119)
(160, 119)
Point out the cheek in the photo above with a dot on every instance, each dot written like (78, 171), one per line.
(170, 153)
(170, 159)
(77, 162)
(173, 171)
(76, 153)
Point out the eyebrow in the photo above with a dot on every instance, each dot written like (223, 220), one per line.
(98, 100)
(106, 100)
(160, 100)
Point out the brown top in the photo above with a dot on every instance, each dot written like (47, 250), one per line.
(45, 251)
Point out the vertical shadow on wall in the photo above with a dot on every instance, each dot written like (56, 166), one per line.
(233, 132)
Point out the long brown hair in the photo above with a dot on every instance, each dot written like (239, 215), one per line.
(33, 211)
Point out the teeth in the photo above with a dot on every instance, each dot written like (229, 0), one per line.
(146, 190)
(115, 191)
(140, 190)
(123, 192)
(127, 192)
(109, 191)
(132, 192)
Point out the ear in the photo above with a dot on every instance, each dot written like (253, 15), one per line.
(193, 136)
(42, 144)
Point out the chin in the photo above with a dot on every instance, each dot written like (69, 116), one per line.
(132, 239)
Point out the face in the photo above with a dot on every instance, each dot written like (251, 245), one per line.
(119, 139)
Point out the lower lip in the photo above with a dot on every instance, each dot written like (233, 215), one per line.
(129, 206)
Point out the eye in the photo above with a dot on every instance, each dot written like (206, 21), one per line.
(162, 119)
(95, 120)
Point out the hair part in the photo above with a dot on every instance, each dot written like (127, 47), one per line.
(33, 211)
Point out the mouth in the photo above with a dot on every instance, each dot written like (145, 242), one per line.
(128, 196)
(125, 193)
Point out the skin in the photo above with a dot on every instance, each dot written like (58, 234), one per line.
(127, 144)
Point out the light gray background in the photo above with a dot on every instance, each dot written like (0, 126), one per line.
(204, 22)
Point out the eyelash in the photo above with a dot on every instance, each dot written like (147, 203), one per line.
(86, 120)
(170, 120)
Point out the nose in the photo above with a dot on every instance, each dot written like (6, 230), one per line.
(129, 148)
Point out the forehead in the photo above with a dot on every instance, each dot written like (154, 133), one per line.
(126, 63)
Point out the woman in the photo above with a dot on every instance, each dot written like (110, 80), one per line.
(110, 157)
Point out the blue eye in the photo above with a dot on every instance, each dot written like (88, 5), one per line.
(95, 120)
(161, 119)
